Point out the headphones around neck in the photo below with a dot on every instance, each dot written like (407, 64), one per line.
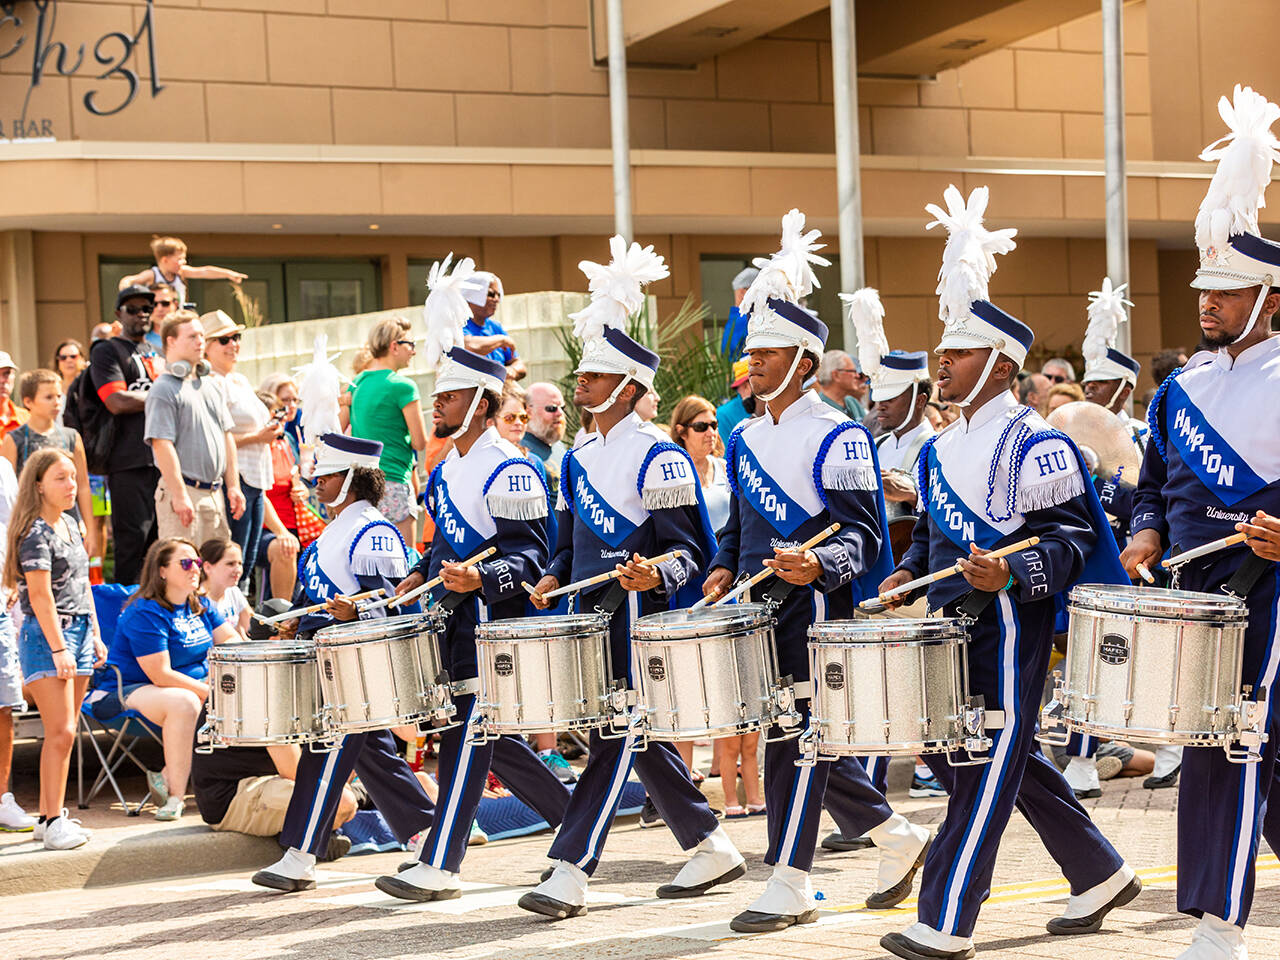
(182, 369)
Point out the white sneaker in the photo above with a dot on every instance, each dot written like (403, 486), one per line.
(37, 832)
(63, 833)
(13, 818)
(1215, 939)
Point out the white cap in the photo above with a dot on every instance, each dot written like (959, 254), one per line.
(6, 361)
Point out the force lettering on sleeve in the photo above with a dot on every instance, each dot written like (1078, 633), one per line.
(1037, 583)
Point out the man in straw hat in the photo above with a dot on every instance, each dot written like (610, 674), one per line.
(996, 477)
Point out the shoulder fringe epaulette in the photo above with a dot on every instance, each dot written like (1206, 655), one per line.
(669, 495)
(503, 506)
(843, 476)
(1041, 496)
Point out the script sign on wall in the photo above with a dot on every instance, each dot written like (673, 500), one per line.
(28, 34)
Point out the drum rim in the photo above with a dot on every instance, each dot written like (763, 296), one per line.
(233, 652)
(361, 631)
(737, 617)
(935, 630)
(1146, 601)
(578, 625)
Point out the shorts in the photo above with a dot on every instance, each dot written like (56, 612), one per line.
(33, 648)
(397, 502)
(258, 807)
(104, 701)
(10, 667)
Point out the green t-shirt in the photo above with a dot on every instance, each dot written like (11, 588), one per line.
(378, 399)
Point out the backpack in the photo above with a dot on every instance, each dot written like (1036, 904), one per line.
(94, 421)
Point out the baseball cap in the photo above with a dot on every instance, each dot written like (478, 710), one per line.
(137, 290)
(6, 361)
(739, 375)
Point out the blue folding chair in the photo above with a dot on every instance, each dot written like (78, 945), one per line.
(125, 729)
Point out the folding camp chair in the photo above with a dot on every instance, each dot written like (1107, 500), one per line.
(126, 730)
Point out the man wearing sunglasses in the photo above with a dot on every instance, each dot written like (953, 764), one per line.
(544, 437)
(121, 372)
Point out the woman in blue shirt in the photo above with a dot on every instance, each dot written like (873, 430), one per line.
(161, 648)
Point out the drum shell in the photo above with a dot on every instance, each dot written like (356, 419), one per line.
(1160, 679)
(379, 674)
(889, 687)
(722, 683)
(543, 683)
(269, 696)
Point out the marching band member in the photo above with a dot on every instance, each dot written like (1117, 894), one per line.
(998, 475)
(359, 550)
(627, 492)
(484, 494)
(1210, 470)
(793, 471)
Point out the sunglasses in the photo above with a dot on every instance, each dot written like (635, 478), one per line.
(190, 563)
(68, 356)
(702, 426)
(230, 338)
(138, 309)
(515, 418)
(1056, 377)
(408, 343)
(553, 408)
(164, 303)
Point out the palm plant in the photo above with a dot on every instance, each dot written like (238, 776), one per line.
(689, 344)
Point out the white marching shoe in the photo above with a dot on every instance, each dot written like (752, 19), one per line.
(787, 900)
(1215, 939)
(715, 861)
(921, 942)
(422, 882)
(1081, 775)
(293, 872)
(1086, 911)
(561, 895)
(902, 847)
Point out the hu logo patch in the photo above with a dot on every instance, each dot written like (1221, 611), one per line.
(504, 665)
(657, 669)
(833, 676)
(1114, 649)
(227, 683)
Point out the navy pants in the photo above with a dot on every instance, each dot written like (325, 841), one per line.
(1081, 745)
(595, 799)
(247, 531)
(1222, 806)
(317, 788)
(877, 771)
(1008, 655)
(463, 770)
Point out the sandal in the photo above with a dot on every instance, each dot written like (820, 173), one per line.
(756, 810)
(735, 813)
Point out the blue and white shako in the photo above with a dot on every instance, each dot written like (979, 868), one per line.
(780, 324)
(463, 370)
(614, 352)
(338, 453)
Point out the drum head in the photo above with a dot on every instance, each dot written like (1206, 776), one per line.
(359, 631)
(931, 630)
(703, 622)
(540, 628)
(1157, 602)
(257, 651)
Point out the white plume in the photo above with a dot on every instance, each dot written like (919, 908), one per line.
(968, 261)
(1230, 207)
(446, 310)
(867, 313)
(788, 274)
(1106, 311)
(617, 289)
(319, 385)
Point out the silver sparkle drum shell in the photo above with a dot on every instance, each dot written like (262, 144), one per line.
(543, 674)
(1156, 665)
(263, 694)
(708, 672)
(888, 687)
(381, 673)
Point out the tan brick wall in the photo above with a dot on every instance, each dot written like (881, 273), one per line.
(519, 72)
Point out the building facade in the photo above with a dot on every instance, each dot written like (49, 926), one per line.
(331, 149)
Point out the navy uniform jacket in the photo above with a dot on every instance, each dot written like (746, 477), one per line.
(492, 497)
(1213, 456)
(1002, 476)
(633, 491)
(359, 551)
(790, 480)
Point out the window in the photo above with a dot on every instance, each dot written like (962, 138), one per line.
(281, 290)
(418, 271)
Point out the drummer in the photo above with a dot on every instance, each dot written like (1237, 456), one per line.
(1213, 467)
(484, 494)
(627, 493)
(996, 476)
(793, 471)
(359, 550)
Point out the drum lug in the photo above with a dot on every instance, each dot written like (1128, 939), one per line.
(808, 746)
(1053, 729)
(1245, 746)
(204, 740)
(787, 718)
(478, 733)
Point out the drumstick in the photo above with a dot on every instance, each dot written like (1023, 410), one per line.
(603, 577)
(752, 581)
(1145, 573)
(434, 582)
(1213, 547)
(707, 599)
(317, 607)
(943, 574)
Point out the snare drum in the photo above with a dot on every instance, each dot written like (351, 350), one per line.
(710, 672)
(1161, 666)
(382, 673)
(263, 693)
(889, 688)
(543, 674)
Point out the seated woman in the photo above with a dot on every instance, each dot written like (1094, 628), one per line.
(161, 648)
(220, 573)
